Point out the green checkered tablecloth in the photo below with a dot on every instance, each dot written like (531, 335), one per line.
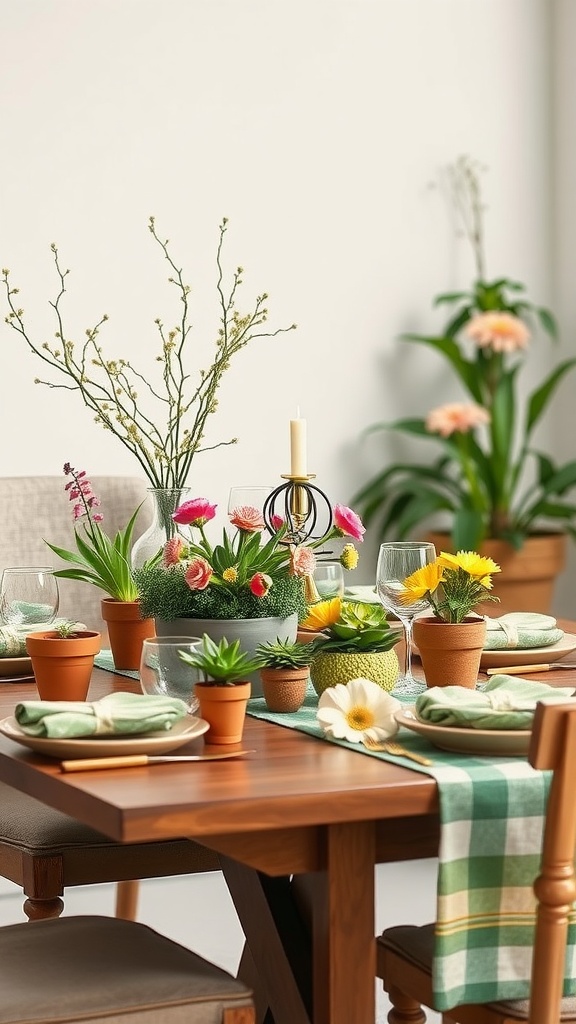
(491, 814)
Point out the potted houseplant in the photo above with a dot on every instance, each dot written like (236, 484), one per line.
(498, 493)
(250, 587)
(62, 660)
(104, 562)
(285, 672)
(224, 692)
(451, 640)
(354, 641)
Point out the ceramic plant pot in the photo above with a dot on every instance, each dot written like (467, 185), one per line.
(63, 666)
(284, 688)
(337, 667)
(224, 708)
(450, 651)
(126, 631)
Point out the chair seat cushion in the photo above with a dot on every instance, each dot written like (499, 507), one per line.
(105, 969)
(416, 945)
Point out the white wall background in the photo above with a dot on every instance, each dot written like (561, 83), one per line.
(315, 126)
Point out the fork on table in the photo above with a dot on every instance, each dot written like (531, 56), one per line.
(389, 747)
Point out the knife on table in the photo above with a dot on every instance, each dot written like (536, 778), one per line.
(520, 670)
(88, 764)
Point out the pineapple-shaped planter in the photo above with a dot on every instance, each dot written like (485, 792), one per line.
(334, 667)
(358, 645)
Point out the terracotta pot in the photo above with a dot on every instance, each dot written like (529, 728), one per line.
(450, 651)
(224, 708)
(339, 667)
(284, 688)
(63, 666)
(526, 583)
(126, 631)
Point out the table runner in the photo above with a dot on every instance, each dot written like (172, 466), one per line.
(491, 820)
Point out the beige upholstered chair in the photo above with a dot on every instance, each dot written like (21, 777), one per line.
(40, 849)
(404, 957)
(99, 969)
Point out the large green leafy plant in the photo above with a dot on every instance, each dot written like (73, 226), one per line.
(488, 478)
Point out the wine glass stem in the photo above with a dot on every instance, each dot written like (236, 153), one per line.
(408, 651)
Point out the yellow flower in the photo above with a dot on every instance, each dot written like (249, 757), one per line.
(421, 582)
(230, 575)
(322, 614)
(475, 565)
(349, 556)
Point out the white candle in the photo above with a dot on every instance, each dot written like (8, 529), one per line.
(298, 447)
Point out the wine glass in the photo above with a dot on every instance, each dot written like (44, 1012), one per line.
(28, 598)
(329, 580)
(163, 673)
(396, 561)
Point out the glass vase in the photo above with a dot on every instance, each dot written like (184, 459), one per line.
(165, 501)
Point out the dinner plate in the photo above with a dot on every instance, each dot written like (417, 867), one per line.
(15, 666)
(529, 655)
(161, 742)
(490, 742)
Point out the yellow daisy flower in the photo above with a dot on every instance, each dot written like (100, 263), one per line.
(322, 614)
(421, 582)
(474, 564)
(230, 575)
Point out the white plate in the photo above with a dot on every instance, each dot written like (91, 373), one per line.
(529, 655)
(186, 729)
(490, 742)
(15, 666)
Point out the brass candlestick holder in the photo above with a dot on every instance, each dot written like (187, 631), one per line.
(304, 508)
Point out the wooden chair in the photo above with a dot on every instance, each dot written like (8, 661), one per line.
(101, 970)
(404, 953)
(40, 849)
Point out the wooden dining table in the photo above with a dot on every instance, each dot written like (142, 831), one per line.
(294, 810)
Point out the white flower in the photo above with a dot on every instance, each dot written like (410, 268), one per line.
(356, 710)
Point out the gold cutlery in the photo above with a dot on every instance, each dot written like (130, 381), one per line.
(389, 747)
(520, 670)
(86, 764)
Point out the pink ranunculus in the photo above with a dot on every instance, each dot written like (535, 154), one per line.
(348, 523)
(198, 574)
(302, 561)
(172, 551)
(456, 416)
(500, 331)
(260, 584)
(247, 518)
(196, 512)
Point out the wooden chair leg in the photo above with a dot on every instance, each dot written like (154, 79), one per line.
(127, 899)
(42, 910)
(404, 1009)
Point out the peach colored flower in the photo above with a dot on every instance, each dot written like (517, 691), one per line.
(260, 584)
(247, 518)
(502, 332)
(196, 512)
(198, 574)
(456, 416)
(173, 551)
(348, 523)
(302, 561)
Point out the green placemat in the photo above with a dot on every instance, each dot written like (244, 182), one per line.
(105, 660)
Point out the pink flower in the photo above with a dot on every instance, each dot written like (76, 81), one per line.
(97, 517)
(302, 561)
(172, 551)
(260, 584)
(502, 332)
(196, 512)
(198, 574)
(78, 511)
(447, 419)
(247, 518)
(347, 523)
(277, 522)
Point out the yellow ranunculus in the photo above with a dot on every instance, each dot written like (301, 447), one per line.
(423, 581)
(322, 614)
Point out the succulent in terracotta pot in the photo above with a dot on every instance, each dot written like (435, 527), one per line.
(285, 672)
(223, 693)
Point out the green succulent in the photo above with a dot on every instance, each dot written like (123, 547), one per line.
(223, 664)
(66, 628)
(285, 653)
(360, 627)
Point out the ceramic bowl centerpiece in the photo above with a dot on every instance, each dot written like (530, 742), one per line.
(62, 661)
(285, 672)
(250, 587)
(450, 642)
(354, 640)
(104, 562)
(223, 694)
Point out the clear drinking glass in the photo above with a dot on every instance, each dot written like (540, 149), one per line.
(163, 673)
(396, 561)
(329, 580)
(28, 598)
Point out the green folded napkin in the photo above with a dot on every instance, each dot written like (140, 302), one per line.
(115, 714)
(367, 594)
(521, 630)
(13, 641)
(507, 702)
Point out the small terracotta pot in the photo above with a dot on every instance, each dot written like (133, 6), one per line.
(126, 631)
(284, 688)
(224, 708)
(62, 666)
(450, 651)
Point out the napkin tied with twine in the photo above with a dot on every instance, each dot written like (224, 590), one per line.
(115, 714)
(507, 702)
(521, 630)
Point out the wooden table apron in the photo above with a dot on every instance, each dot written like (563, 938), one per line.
(293, 807)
